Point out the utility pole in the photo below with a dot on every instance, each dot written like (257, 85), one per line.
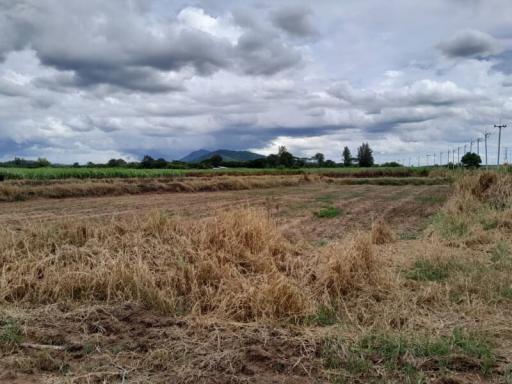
(486, 135)
(500, 127)
(478, 145)
(441, 158)
(434, 158)
(458, 155)
(453, 157)
(465, 148)
(471, 146)
(428, 158)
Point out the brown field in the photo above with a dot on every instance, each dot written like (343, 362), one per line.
(312, 282)
(405, 207)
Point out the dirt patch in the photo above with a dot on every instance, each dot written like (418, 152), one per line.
(134, 343)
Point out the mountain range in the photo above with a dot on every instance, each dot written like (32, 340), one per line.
(227, 155)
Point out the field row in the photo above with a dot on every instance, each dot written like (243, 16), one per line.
(105, 173)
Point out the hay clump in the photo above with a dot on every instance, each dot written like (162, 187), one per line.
(235, 265)
(347, 266)
(381, 232)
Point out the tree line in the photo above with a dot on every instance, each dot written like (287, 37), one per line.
(282, 159)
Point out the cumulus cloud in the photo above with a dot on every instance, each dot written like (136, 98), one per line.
(470, 43)
(420, 93)
(112, 43)
(89, 80)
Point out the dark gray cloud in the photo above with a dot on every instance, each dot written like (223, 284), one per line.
(470, 43)
(295, 20)
(106, 44)
(264, 54)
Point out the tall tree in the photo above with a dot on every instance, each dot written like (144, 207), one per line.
(365, 155)
(285, 157)
(320, 158)
(347, 157)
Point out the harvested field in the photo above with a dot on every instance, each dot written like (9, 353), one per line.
(311, 283)
(20, 190)
(293, 207)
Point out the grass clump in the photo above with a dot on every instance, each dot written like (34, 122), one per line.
(507, 293)
(408, 357)
(427, 270)
(328, 212)
(325, 316)
(11, 333)
(450, 226)
(500, 253)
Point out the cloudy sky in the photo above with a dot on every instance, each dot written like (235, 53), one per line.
(92, 80)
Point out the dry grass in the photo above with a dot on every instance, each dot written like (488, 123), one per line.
(20, 190)
(235, 265)
(347, 266)
(28, 189)
(435, 308)
(381, 232)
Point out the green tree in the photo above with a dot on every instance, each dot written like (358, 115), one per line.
(347, 157)
(147, 162)
(471, 160)
(365, 155)
(42, 162)
(320, 158)
(285, 157)
(116, 163)
(216, 160)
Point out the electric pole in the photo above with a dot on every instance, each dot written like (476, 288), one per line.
(486, 135)
(434, 158)
(458, 155)
(465, 148)
(478, 146)
(441, 158)
(428, 162)
(500, 127)
(471, 146)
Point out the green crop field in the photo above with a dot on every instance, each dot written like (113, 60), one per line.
(49, 173)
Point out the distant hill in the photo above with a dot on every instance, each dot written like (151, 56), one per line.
(193, 156)
(227, 155)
